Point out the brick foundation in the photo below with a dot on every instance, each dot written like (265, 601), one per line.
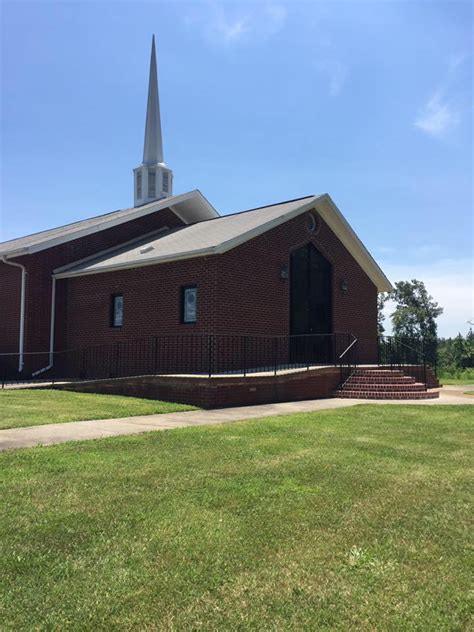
(218, 392)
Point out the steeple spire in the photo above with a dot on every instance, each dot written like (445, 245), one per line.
(152, 179)
(153, 148)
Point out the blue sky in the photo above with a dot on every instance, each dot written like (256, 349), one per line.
(261, 102)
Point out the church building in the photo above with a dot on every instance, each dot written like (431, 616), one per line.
(172, 267)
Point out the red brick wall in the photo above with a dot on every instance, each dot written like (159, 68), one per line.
(10, 284)
(152, 300)
(219, 392)
(38, 288)
(254, 300)
(239, 292)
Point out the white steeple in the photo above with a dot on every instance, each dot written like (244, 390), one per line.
(152, 179)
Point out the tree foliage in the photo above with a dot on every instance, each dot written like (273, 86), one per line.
(415, 311)
(456, 353)
(382, 298)
(414, 318)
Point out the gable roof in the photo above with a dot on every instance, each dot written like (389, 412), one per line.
(221, 234)
(189, 207)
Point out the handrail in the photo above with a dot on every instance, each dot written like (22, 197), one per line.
(393, 351)
(180, 335)
(346, 366)
(346, 350)
(178, 353)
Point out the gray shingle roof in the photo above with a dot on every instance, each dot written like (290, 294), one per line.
(207, 237)
(219, 235)
(191, 203)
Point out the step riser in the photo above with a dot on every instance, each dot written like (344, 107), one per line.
(386, 384)
(377, 373)
(383, 380)
(383, 395)
(404, 388)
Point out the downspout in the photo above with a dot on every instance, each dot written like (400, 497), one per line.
(51, 330)
(21, 342)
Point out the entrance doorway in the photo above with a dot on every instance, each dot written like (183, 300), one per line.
(310, 306)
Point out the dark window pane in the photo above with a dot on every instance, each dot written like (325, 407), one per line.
(117, 311)
(190, 304)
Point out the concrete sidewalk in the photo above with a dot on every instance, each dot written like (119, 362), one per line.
(95, 429)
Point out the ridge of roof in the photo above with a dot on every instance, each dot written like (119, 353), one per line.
(195, 241)
(23, 244)
(200, 237)
(257, 208)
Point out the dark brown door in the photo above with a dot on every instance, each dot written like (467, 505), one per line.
(310, 308)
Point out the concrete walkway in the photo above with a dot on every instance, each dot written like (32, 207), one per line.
(95, 429)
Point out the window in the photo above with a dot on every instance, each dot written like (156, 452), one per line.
(166, 181)
(139, 186)
(189, 304)
(152, 184)
(117, 310)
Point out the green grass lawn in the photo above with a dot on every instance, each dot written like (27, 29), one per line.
(453, 381)
(461, 377)
(468, 392)
(352, 519)
(31, 407)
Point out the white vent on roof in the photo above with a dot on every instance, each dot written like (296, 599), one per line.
(146, 249)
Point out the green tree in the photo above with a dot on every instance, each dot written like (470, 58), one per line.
(460, 352)
(415, 314)
(382, 298)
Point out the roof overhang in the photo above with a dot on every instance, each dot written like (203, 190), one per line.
(189, 207)
(323, 204)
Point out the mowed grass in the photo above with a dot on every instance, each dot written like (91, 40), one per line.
(352, 519)
(32, 407)
(461, 377)
(454, 381)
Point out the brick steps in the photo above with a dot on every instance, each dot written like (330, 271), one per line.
(383, 384)
(374, 386)
(385, 379)
(386, 395)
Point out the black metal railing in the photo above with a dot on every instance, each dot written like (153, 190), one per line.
(406, 354)
(348, 360)
(182, 354)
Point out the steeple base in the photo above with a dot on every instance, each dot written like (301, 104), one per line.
(152, 182)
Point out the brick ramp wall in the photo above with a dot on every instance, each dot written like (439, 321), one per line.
(218, 392)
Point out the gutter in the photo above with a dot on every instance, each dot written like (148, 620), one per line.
(51, 331)
(21, 341)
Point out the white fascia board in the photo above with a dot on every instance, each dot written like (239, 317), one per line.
(263, 228)
(139, 264)
(90, 230)
(136, 214)
(212, 250)
(206, 204)
(9, 254)
(214, 211)
(323, 204)
(343, 230)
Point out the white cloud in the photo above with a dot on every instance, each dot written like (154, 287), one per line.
(437, 116)
(276, 17)
(455, 61)
(229, 29)
(228, 24)
(449, 281)
(336, 73)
